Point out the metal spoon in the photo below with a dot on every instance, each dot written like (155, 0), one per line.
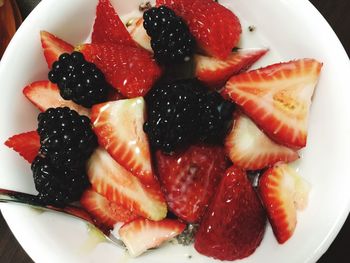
(14, 197)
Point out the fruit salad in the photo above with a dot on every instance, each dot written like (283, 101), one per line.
(159, 125)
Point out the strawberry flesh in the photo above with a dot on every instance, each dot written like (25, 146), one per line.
(282, 192)
(53, 47)
(45, 95)
(250, 149)
(108, 28)
(26, 144)
(190, 178)
(278, 98)
(105, 212)
(131, 70)
(143, 234)
(234, 224)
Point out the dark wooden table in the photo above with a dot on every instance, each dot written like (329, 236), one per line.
(337, 13)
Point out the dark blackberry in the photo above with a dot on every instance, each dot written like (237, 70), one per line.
(183, 112)
(79, 80)
(58, 186)
(66, 137)
(171, 39)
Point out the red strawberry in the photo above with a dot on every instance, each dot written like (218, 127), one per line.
(234, 224)
(118, 185)
(190, 178)
(119, 129)
(131, 70)
(105, 212)
(249, 148)
(108, 27)
(283, 191)
(26, 144)
(278, 98)
(139, 34)
(44, 95)
(143, 234)
(216, 29)
(215, 72)
(53, 47)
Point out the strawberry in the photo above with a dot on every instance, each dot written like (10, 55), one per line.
(249, 148)
(53, 47)
(26, 144)
(131, 70)
(189, 179)
(234, 224)
(108, 28)
(143, 234)
(139, 34)
(216, 29)
(215, 72)
(282, 192)
(119, 129)
(278, 98)
(118, 185)
(105, 212)
(44, 95)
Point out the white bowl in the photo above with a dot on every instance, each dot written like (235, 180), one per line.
(291, 29)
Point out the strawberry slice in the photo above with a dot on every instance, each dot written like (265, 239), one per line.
(118, 185)
(53, 47)
(189, 179)
(26, 144)
(131, 70)
(234, 224)
(105, 212)
(249, 148)
(108, 28)
(283, 192)
(278, 98)
(139, 34)
(215, 72)
(44, 95)
(119, 129)
(143, 234)
(216, 29)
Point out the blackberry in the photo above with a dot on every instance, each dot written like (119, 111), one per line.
(79, 80)
(183, 112)
(66, 137)
(58, 186)
(171, 39)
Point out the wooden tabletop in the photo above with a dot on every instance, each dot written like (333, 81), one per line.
(337, 12)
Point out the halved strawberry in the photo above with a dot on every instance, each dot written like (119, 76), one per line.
(53, 47)
(215, 72)
(108, 28)
(189, 179)
(282, 192)
(234, 224)
(26, 144)
(278, 98)
(216, 29)
(105, 212)
(44, 94)
(118, 185)
(131, 70)
(119, 129)
(143, 234)
(249, 148)
(139, 34)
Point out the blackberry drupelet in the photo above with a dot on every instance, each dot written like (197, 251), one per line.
(184, 112)
(171, 39)
(79, 80)
(58, 186)
(66, 137)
